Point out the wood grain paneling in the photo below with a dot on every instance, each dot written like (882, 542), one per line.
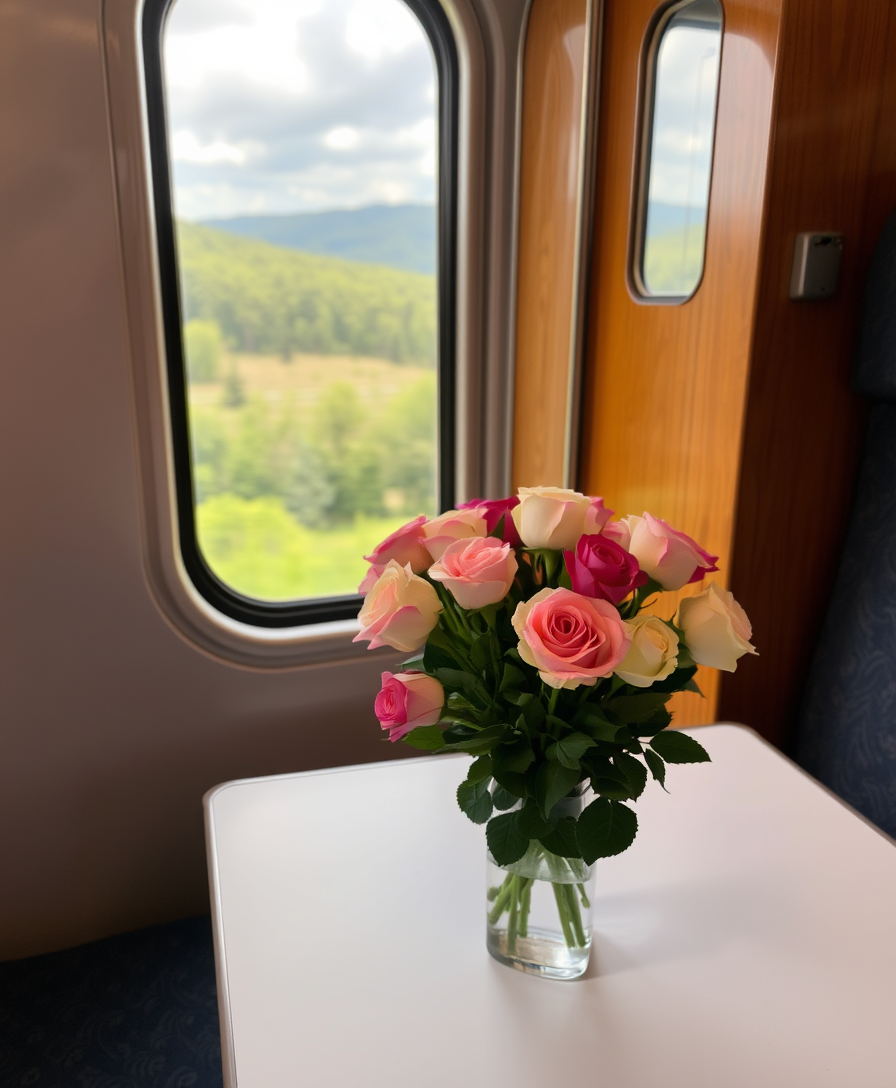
(550, 169)
(833, 167)
(665, 384)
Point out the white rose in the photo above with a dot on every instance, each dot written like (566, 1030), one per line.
(550, 517)
(716, 629)
(653, 654)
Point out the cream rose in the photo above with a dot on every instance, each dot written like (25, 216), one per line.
(550, 517)
(570, 639)
(653, 654)
(716, 629)
(453, 525)
(477, 572)
(399, 611)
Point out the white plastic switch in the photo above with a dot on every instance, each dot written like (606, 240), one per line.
(816, 265)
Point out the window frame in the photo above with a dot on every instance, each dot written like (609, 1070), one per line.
(221, 597)
(645, 116)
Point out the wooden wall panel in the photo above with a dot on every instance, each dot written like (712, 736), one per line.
(550, 167)
(833, 167)
(665, 384)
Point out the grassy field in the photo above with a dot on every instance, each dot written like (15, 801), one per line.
(258, 548)
(252, 541)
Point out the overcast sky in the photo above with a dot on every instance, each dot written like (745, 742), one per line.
(687, 75)
(298, 105)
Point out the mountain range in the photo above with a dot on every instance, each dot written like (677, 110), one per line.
(401, 236)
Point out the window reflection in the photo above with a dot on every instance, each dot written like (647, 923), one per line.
(303, 140)
(679, 144)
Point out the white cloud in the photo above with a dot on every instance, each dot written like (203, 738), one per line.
(186, 148)
(341, 138)
(380, 28)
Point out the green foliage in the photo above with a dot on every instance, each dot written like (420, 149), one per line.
(605, 828)
(673, 261)
(202, 347)
(271, 300)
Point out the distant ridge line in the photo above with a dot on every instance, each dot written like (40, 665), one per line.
(401, 236)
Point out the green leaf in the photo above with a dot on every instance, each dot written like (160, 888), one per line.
(679, 748)
(480, 652)
(562, 838)
(553, 783)
(634, 770)
(512, 677)
(657, 767)
(428, 738)
(503, 799)
(413, 664)
(533, 712)
(692, 685)
(457, 678)
(505, 840)
(637, 708)
(606, 828)
(598, 725)
(480, 769)
(463, 738)
(475, 800)
(512, 782)
(531, 822)
(569, 750)
(513, 755)
(436, 657)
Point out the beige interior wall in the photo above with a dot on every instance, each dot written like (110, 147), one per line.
(111, 725)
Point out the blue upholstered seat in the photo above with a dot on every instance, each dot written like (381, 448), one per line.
(847, 735)
(134, 1011)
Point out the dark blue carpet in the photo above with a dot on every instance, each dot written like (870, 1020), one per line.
(135, 1011)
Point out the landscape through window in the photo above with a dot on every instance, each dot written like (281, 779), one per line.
(303, 144)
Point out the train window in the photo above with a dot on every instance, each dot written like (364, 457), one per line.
(681, 86)
(303, 156)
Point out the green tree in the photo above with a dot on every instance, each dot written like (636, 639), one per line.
(202, 345)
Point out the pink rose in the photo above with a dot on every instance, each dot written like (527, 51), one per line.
(599, 567)
(493, 510)
(671, 558)
(477, 572)
(570, 639)
(405, 546)
(450, 526)
(399, 610)
(716, 629)
(407, 700)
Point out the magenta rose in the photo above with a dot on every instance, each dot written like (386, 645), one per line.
(408, 700)
(569, 638)
(477, 572)
(493, 510)
(405, 546)
(599, 567)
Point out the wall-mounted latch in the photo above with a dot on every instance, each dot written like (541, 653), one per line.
(816, 264)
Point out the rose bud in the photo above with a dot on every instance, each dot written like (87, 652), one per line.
(477, 572)
(653, 654)
(670, 557)
(596, 517)
(550, 517)
(399, 611)
(408, 700)
(599, 567)
(570, 639)
(405, 546)
(450, 526)
(493, 510)
(716, 629)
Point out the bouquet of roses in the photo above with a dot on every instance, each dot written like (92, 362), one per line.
(546, 656)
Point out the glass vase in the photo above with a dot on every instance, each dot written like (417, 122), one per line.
(539, 913)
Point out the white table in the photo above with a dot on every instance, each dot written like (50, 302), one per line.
(746, 940)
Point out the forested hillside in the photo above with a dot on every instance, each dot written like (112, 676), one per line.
(270, 300)
(399, 236)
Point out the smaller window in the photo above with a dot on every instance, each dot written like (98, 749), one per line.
(681, 87)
